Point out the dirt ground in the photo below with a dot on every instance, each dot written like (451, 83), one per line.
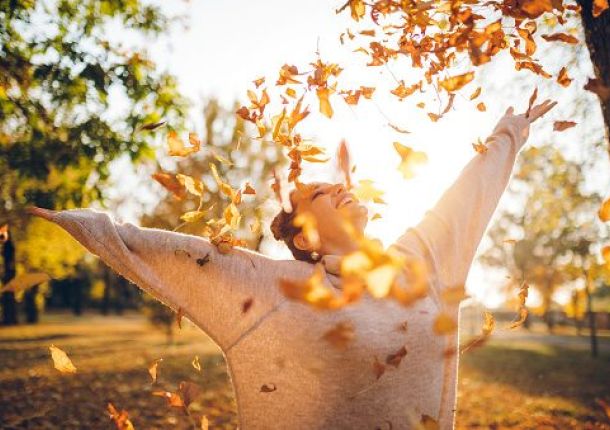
(517, 383)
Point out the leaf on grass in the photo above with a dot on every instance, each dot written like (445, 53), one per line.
(563, 125)
(121, 419)
(340, 335)
(409, 160)
(604, 211)
(195, 363)
(61, 361)
(444, 324)
(152, 369)
(395, 358)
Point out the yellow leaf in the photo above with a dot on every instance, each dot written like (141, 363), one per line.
(325, 107)
(152, 369)
(61, 361)
(195, 363)
(604, 211)
(456, 82)
(410, 159)
(366, 192)
(191, 184)
(192, 216)
(444, 324)
(380, 280)
(177, 147)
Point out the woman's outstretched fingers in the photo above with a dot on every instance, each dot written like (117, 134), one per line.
(40, 212)
(509, 111)
(541, 109)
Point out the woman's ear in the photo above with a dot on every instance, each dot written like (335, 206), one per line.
(301, 242)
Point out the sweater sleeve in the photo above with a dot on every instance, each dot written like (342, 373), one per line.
(185, 272)
(449, 234)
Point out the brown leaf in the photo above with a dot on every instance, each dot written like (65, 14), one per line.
(480, 147)
(597, 86)
(522, 313)
(258, 82)
(560, 37)
(121, 419)
(340, 335)
(563, 125)
(398, 129)
(563, 79)
(395, 358)
(475, 94)
(176, 146)
(152, 126)
(61, 361)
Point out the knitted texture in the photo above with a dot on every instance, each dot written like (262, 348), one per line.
(278, 344)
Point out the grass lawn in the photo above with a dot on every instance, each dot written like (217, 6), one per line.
(506, 384)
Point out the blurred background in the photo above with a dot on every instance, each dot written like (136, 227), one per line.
(78, 80)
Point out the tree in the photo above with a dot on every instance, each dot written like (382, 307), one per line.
(57, 85)
(549, 239)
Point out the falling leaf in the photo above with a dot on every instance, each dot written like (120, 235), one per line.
(454, 295)
(378, 368)
(343, 159)
(481, 107)
(456, 82)
(178, 148)
(312, 291)
(597, 86)
(248, 189)
(308, 224)
(598, 7)
(475, 94)
(246, 305)
(606, 255)
(340, 335)
(604, 211)
(195, 363)
(3, 234)
(522, 313)
(152, 369)
(191, 184)
(61, 361)
(121, 419)
(325, 107)
(258, 82)
(205, 423)
(24, 282)
(366, 192)
(409, 160)
(192, 216)
(480, 147)
(444, 324)
(402, 91)
(395, 358)
(563, 125)
(173, 399)
(561, 37)
(171, 184)
(268, 388)
(152, 126)
(398, 129)
(563, 79)
(489, 324)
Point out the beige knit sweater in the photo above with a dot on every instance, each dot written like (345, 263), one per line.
(284, 375)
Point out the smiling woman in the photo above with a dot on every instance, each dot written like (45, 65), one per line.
(343, 381)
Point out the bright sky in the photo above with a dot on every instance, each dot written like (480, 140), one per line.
(231, 43)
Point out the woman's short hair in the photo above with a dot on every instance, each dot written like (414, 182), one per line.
(283, 229)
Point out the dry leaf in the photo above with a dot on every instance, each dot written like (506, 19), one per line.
(480, 147)
(598, 7)
(176, 146)
(563, 125)
(533, 98)
(195, 363)
(604, 211)
(522, 313)
(409, 160)
(563, 79)
(121, 419)
(456, 82)
(444, 324)
(481, 107)
(171, 184)
(61, 361)
(152, 126)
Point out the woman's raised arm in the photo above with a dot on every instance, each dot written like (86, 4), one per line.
(448, 236)
(185, 272)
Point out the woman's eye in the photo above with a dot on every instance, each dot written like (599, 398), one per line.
(317, 194)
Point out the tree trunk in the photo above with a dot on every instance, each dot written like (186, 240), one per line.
(9, 305)
(31, 310)
(597, 35)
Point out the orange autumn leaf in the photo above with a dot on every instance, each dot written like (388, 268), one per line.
(357, 9)
(402, 91)
(456, 82)
(258, 82)
(205, 423)
(343, 160)
(312, 290)
(177, 148)
(248, 189)
(179, 316)
(480, 147)
(522, 312)
(444, 324)
(481, 107)
(171, 184)
(560, 37)
(174, 400)
(475, 94)
(340, 335)
(268, 388)
(409, 159)
(563, 125)
(287, 75)
(563, 79)
(454, 295)
(604, 211)
(395, 358)
(121, 419)
(152, 369)
(325, 107)
(61, 361)
(599, 6)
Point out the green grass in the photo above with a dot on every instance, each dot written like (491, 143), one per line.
(505, 384)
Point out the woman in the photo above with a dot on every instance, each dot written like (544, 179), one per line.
(284, 374)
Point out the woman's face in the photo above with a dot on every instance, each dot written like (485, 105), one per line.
(339, 217)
